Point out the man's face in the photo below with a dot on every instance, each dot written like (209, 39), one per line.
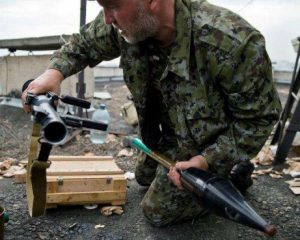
(134, 22)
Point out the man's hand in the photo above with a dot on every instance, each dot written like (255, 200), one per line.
(50, 80)
(196, 162)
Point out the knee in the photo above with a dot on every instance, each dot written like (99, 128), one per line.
(143, 179)
(145, 171)
(144, 176)
(157, 214)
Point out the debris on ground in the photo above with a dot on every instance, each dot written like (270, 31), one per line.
(294, 168)
(264, 157)
(275, 175)
(129, 113)
(23, 163)
(87, 136)
(111, 138)
(41, 237)
(129, 175)
(72, 225)
(20, 176)
(87, 152)
(5, 165)
(99, 226)
(125, 153)
(263, 171)
(77, 137)
(8, 170)
(102, 95)
(109, 210)
(295, 185)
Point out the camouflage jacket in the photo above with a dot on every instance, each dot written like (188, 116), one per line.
(222, 101)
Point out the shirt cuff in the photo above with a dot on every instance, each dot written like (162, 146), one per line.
(61, 65)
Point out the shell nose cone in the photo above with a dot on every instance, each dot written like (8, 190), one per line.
(270, 230)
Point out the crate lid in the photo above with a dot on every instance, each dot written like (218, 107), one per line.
(82, 165)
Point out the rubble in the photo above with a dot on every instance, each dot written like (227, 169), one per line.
(72, 225)
(87, 152)
(5, 165)
(8, 170)
(265, 157)
(109, 210)
(125, 153)
(99, 226)
(111, 138)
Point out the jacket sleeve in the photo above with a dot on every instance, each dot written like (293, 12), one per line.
(95, 42)
(251, 104)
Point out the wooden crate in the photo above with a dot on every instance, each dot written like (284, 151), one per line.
(78, 180)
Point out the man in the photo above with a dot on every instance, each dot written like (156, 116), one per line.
(202, 86)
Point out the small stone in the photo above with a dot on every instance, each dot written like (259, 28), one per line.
(287, 209)
(16, 206)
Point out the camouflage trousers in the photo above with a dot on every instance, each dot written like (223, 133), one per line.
(163, 203)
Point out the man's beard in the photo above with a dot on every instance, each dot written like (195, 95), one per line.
(143, 27)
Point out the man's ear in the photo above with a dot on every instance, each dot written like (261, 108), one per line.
(153, 4)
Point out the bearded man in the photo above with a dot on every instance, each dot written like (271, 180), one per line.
(202, 85)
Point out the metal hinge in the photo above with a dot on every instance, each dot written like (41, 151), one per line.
(108, 180)
(60, 180)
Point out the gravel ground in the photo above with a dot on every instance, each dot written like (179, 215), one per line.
(271, 198)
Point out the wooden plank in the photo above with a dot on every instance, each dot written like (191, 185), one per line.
(50, 206)
(20, 176)
(52, 187)
(113, 203)
(84, 185)
(118, 202)
(115, 176)
(119, 184)
(85, 197)
(97, 172)
(80, 158)
(86, 167)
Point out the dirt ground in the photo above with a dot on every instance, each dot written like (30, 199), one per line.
(271, 198)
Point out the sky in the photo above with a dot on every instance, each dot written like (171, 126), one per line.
(277, 20)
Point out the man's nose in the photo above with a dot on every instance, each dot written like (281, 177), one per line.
(108, 16)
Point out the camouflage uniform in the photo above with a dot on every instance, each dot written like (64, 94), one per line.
(216, 91)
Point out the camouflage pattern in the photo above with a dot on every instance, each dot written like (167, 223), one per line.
(216, 85)
(163, 203)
